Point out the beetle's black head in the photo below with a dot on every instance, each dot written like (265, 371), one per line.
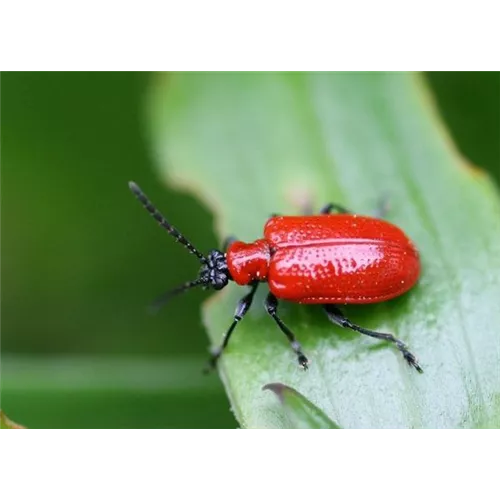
(213, 273)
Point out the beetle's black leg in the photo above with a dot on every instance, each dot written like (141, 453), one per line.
(227, 242)
(383, 207)
(241, 309)
(333, 207)
(335, 316)
(380, 213)
(307, 208)
(271, 308)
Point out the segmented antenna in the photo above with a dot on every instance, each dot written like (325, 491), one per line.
(160, 301)
(158, 217)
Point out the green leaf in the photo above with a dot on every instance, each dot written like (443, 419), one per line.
(301, 413)
(256, 143)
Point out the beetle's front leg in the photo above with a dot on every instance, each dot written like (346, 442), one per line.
(241, 309)
(227, 241)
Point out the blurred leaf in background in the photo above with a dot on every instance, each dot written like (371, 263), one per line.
(81, 262)
(470, 105)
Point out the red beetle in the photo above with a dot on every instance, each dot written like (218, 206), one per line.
(327, 259)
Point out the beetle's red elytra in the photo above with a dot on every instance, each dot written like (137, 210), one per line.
(328, 259)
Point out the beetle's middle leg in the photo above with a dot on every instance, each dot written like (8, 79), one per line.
(272, 308)
(382, 207)
(335, 316)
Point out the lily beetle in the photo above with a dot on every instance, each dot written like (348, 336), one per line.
(336, 257)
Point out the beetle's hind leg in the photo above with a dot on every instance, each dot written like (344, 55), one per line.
(380, 212)
(327, 209)
(335, 316)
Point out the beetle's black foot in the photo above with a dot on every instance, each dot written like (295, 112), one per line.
(212, 362)
(412, 360)
(210, 367)
(303, 361)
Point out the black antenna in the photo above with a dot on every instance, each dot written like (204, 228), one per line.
(160, 301)
(163, 222)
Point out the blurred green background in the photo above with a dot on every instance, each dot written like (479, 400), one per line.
(81, 260)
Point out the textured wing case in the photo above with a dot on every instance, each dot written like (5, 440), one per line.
(339, 259)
